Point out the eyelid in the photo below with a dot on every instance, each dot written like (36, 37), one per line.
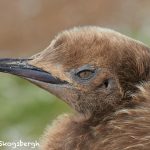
(83, 71)
(84, 68)
(73, 73)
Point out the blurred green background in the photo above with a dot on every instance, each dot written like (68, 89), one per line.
(27, 27)
(25, 110)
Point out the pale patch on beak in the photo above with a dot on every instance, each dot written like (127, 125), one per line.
(55, 70)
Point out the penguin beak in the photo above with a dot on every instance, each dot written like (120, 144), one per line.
(39, 77)
(20, 67)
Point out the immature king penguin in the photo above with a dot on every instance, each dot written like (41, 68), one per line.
(104, 76)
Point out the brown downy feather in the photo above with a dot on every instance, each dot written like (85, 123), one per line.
(126, 129)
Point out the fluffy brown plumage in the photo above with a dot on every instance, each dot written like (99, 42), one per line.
(104, 76)
(125, 129)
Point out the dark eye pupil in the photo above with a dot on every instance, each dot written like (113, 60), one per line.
(85, 74)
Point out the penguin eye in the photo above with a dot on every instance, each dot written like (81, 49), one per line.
(85, 74)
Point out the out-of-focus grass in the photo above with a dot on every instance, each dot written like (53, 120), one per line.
(25, 110)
